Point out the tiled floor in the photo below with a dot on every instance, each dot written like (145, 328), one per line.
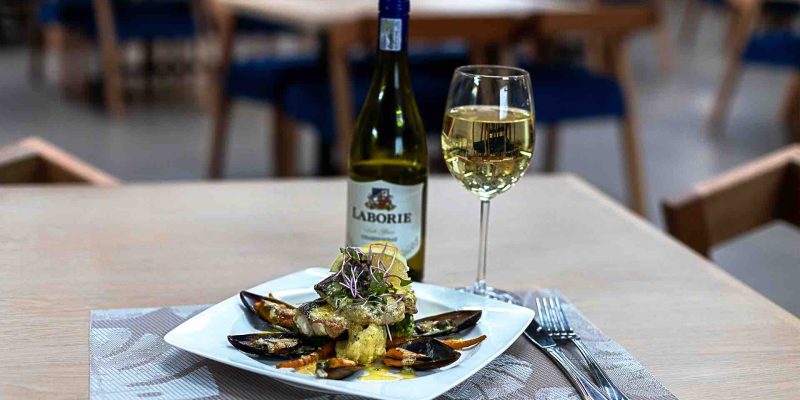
(166, 141)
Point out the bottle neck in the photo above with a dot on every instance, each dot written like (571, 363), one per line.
(392, 46)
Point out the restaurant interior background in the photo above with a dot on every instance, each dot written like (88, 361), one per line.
(164, 133)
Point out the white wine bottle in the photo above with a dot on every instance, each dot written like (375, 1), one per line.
(388, 164)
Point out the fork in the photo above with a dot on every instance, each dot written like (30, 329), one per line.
(555, 322)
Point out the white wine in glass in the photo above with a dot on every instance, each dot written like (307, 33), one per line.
(487, 149)
(487, 141)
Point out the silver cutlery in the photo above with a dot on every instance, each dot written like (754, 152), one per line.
(554, 322)
(586, 389)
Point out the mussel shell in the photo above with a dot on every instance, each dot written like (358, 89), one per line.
(249, 299)
(447, 323)
(325, 371)
(439, 353)
(325, 287)
(273, 345)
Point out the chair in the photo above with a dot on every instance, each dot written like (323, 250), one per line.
(34, 160)
(566, 93)
(664, 45)
(113, 23)
(727, 206)
(774, 48)
(775, 12)
(691, 17)
(298, 88)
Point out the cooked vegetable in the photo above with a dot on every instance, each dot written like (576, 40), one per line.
(363, 345)
(462, 343)
(326, 351)
(404, 328)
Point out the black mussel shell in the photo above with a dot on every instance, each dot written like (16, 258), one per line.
(326, 286)
(273, 345)
(249, 299)
(440, 354)
(447, 323)
(326, 371)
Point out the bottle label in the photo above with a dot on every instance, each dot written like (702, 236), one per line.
(391, 34)
(380, 210)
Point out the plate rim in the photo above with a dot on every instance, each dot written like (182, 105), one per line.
(304, 383)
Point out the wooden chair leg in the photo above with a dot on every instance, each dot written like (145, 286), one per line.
(149, 70)
(37, 51)
(55, 41)
(633, 165)
(551, 148)
(745, 17)
(339, 40)
(595, 54)
(691, 20)
(791, 102)
(284, 145)
(794, 129)
(727, 87)
(75, 78)
(219, 137)
(664, 43)
(631, 143)
(734, 19)
(791, 108)
(112, 70)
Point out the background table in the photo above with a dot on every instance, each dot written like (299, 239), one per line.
(344, 24)
(65, 251)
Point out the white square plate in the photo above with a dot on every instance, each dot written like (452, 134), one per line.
(206, 335)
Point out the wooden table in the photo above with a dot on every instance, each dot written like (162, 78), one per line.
(347, 23)
(65, 251)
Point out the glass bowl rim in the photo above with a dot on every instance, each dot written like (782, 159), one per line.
(520, 73)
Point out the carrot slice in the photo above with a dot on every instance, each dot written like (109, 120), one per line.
(462, 343)
(391, 362)
(340, 362)
(403, 354)
(325, 351)
(299, 362)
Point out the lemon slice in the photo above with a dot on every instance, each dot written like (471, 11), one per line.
(385, 253)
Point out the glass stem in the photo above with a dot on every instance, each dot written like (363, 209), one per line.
(480, 281)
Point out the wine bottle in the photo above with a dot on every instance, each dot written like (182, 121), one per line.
(388, 164)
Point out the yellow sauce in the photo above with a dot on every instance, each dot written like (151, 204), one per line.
(379, 372)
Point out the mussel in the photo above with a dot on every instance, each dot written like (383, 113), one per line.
(270, 309)
(274, 345)
(448, 323)
(336, 368)
(421, 354)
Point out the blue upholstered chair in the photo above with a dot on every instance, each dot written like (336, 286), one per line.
(133, 20)
(299, 90)
(113, 23)
(567, 93)
(773, 48)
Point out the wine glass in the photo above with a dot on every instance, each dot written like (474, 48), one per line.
(487, 141)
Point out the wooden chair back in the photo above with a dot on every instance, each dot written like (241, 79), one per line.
(746, 198)
(34, 160)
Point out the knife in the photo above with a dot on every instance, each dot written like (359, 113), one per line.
(586, 389)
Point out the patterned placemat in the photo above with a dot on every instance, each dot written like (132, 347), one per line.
(130, 360)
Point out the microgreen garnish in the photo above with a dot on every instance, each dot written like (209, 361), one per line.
(364, 276)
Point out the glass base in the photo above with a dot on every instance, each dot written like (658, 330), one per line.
(493, 293)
